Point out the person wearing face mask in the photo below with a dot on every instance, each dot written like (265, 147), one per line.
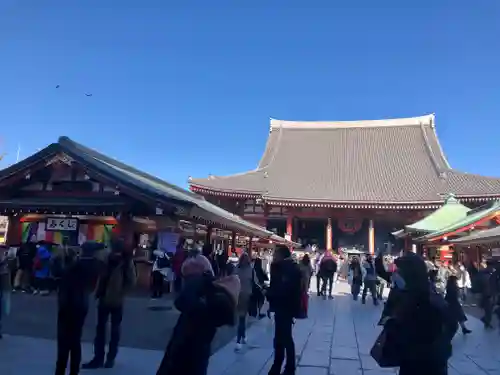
(117, 278)
(420, 323)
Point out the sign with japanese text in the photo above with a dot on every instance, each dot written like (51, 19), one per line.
(58, 223)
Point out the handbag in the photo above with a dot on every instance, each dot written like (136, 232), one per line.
(386, 350)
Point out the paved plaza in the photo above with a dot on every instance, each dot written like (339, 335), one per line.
(335, 340)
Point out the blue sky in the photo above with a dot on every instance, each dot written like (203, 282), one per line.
(187, 87)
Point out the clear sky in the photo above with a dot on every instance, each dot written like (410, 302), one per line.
(185, 88)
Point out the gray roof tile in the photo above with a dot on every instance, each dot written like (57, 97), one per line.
(382, 161)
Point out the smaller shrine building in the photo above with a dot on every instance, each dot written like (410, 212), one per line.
(70, 192)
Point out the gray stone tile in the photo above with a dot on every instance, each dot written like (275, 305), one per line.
(315, 358)
(368, 363)
(345, 367)
(335, 340)
(306, 370)
(340, 352)
(486, 363)
(466, 366)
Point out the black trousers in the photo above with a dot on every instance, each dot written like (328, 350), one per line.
(283, 345)
(370, 285)
(487, 305)
(69, 336)
(157, 285)
(380, 288)
(319, 288)
(327, 280)
(115, 313)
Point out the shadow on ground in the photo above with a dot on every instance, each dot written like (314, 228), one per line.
(142, 327)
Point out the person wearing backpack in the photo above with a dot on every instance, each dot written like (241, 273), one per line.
(327, 270)
(285, 301)
(116, 279)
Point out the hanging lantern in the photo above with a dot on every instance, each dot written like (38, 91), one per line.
(349, 225)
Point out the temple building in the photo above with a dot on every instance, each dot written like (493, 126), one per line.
(347, 184)
(70, 193)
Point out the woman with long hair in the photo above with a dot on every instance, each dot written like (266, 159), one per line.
(247, 277)
(355, 277)
(420, 325)
(262, 277)
(307, 270)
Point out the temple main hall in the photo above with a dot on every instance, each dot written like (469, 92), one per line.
(347, 185)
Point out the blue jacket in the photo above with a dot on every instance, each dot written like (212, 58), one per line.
(43, 255)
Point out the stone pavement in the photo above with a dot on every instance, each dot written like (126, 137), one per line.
(335, 340)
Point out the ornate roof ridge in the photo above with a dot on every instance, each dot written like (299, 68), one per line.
(331, 125)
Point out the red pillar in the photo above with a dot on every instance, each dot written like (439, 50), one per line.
(329, 239)
(371, 237)
(233, 243)
(289, 227)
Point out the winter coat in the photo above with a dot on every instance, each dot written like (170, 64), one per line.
(369, 274)
(77, 284)
(26, 255)
(306, 271)
(247, 279)
(42, 262)
(356, 274)
(421, 322)
(327, 266)
(204, 304)
(116, 280)
(285, 290)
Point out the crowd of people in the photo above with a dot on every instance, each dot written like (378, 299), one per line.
(214, 294)
(107, 273)
(421, 315)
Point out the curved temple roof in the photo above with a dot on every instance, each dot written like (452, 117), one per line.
(195, 205)
(396, 161)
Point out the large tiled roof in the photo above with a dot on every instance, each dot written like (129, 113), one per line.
(398, 161)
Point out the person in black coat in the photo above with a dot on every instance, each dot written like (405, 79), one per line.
(453, 299)
(205, 304)
(421, 321)
(284, 296)
(77, 282)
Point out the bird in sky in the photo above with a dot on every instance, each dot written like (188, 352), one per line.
(88, 94)
(57, 86)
